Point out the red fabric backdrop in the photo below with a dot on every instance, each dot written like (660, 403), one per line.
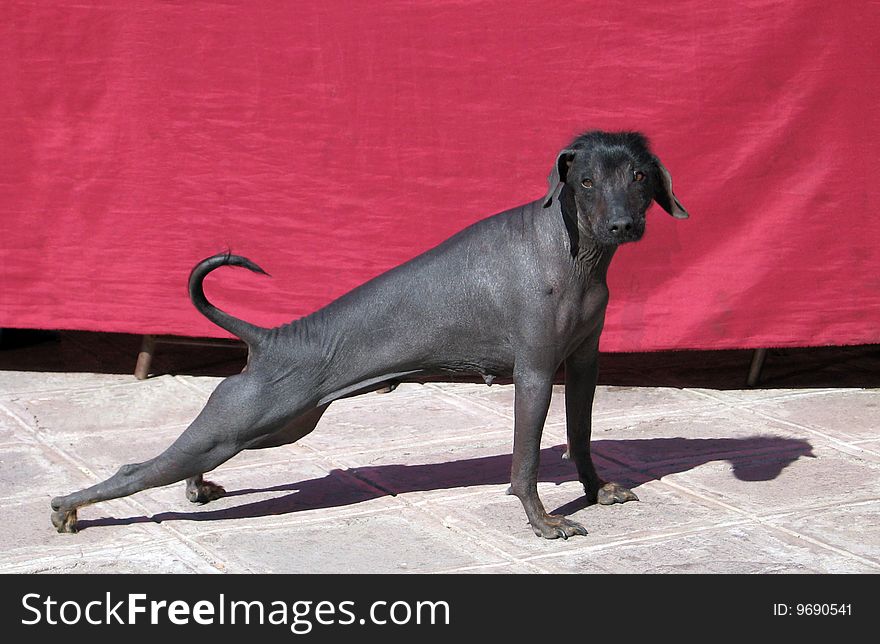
(329, 141)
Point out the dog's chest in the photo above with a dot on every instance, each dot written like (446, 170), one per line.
(580, 312)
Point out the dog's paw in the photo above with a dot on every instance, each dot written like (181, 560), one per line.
(611, 493)
(64, 521)
(554, 526)
(204, 492)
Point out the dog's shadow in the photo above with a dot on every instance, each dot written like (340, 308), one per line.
(633, 462)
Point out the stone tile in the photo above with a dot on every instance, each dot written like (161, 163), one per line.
(30, 540)
(27, 471)
(412, 413)
(497, 399)
(616, 401)
(501, 521)
(741, 549)
(849, 415)
(21, 383)
(610, 401)
(777, 481)
(149, 405)
(393, 542)
(854, 528)
(10, 429)
(102, 453)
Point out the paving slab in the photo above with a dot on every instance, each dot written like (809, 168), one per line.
(150, 405)
(387, 542)
(11, 429)
(849, 415)
(31, 545)
(28, 470)
(748, 548)
(853, 528)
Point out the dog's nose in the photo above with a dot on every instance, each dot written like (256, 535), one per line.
(621, 227)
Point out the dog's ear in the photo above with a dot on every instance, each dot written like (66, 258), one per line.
(557, 175)
(663, 194)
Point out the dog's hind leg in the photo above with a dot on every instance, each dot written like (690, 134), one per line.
(233, 419)
(294, 430)
(198, 490)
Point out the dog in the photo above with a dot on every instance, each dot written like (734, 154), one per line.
(514, 296)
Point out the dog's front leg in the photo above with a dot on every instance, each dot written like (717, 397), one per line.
(581, 375)
(532, 391)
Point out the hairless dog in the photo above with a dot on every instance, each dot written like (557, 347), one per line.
(514, 296)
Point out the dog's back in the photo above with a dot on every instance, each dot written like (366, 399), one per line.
(461, 307)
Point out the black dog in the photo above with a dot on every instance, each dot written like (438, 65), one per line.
(515, 296)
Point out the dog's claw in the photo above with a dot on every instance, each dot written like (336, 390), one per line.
(558, 527)
(611, 493)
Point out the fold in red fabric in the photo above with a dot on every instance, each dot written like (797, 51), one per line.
(330, 141)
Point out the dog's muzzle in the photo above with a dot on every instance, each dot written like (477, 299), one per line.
(621, 230)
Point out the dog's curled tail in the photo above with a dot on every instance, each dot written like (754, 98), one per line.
(244, 330)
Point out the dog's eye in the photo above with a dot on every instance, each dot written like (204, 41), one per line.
(638, 175)
(587, 183)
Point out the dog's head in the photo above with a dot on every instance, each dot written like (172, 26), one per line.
(611, 179)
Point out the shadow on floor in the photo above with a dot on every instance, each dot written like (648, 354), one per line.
(758, 458)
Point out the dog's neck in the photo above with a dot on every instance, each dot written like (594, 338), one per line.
(590, 256)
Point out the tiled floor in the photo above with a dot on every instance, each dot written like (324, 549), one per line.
(785, 478)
